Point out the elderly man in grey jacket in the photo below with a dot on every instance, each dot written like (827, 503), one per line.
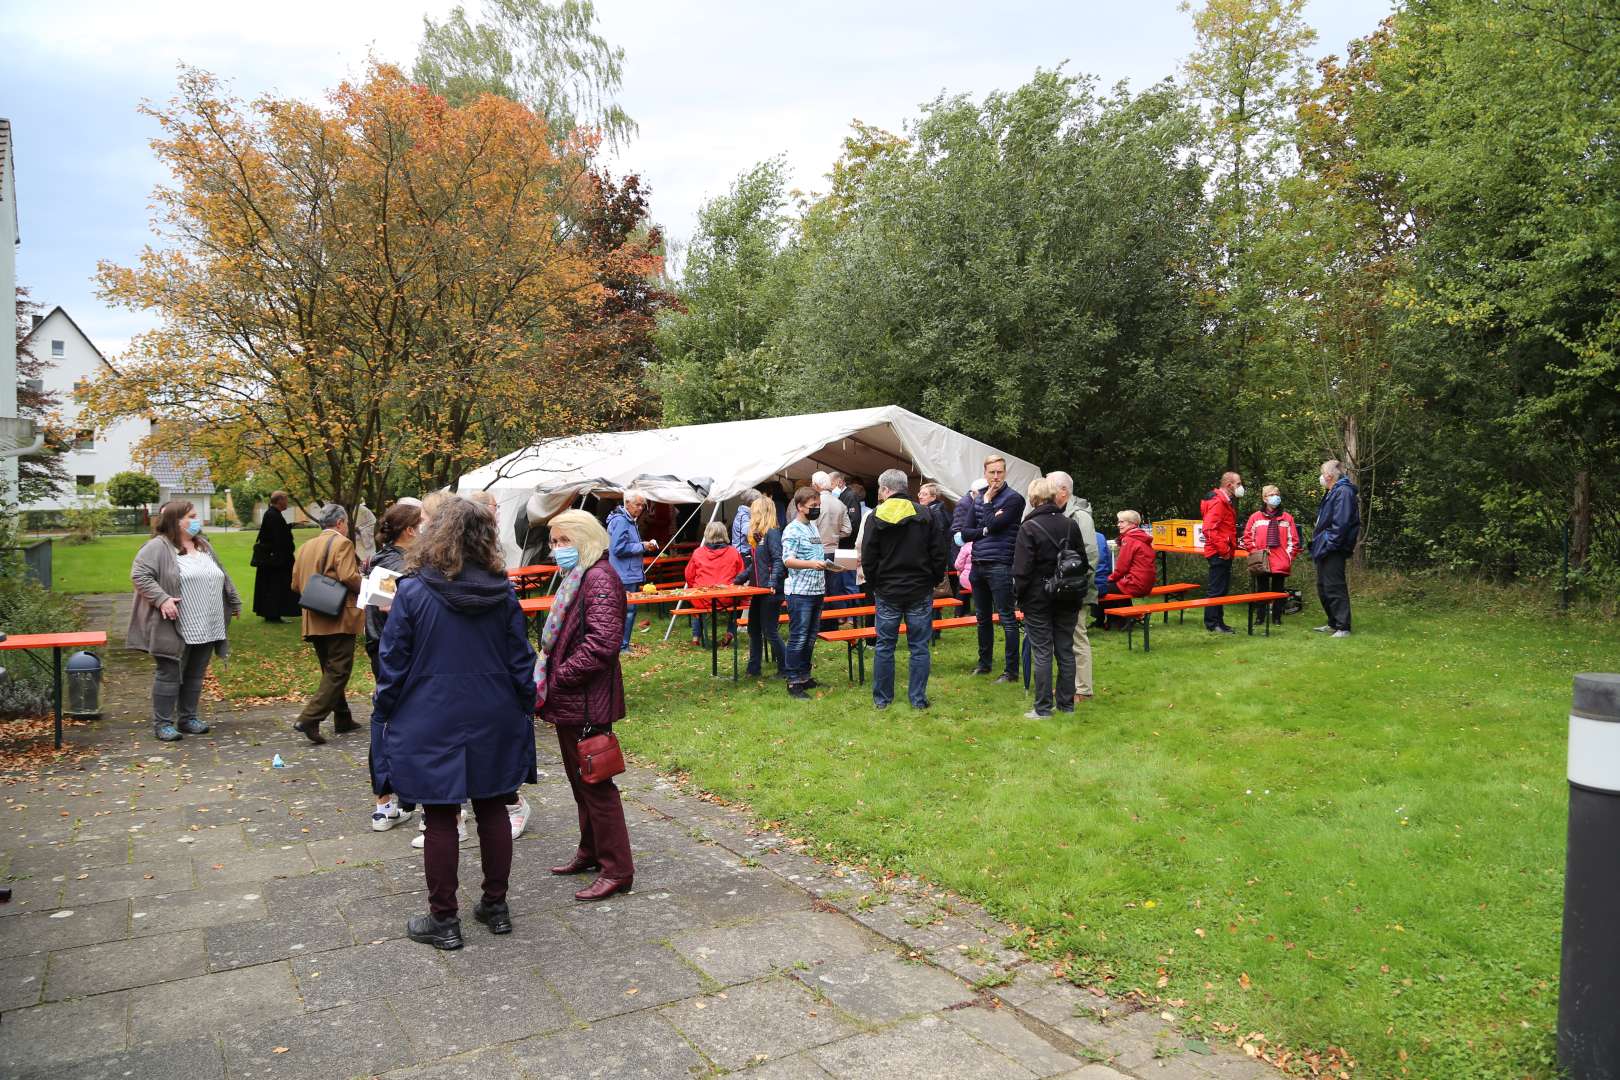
(1079, 511)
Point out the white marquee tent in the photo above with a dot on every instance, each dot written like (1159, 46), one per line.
(717, 462)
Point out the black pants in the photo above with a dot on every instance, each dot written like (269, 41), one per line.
(1220, 584)
(1051, 638)
(1333, 589)
(764, 631)
(1272, 583)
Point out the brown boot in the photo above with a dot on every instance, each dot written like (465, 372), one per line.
(602, 888)
(577, 865)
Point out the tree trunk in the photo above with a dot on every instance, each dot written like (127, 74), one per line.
(1580, 537)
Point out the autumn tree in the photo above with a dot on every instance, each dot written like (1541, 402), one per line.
(43, 475)
(365, 299)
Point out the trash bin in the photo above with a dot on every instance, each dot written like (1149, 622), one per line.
(83, 686)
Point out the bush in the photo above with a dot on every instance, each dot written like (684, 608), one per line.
(90, 518)
(223, 518)
(132, 489)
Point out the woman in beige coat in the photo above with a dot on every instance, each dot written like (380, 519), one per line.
(184, 600)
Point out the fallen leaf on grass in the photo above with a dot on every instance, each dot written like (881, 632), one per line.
(1243, 980)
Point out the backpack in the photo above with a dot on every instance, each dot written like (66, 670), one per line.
(1071, 578)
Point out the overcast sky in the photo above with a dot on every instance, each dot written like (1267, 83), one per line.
(715, 87)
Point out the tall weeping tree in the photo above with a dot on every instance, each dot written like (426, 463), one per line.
(548, 57)
(1250, 74)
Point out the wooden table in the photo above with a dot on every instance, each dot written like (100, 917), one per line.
(536, 605)
(1162, 551)
(525, 578)
(56, 643)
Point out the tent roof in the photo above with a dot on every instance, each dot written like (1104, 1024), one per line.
(717, 462)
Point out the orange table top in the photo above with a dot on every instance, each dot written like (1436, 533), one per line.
(1177, 549)
(536, 604)
(537, 570)
(665, 560)
(54, 641)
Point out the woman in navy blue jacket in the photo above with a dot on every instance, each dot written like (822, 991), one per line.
(764, 570)
(452, 719)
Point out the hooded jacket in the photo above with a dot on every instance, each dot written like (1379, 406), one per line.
(717, 565)
(1134, 572)
(904, 553)
(1220, 524)
(451, 716)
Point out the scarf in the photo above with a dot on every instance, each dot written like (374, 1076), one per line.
(554, 622)
(1273, 527)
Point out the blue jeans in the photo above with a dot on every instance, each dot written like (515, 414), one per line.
(764, 629)
(804, 622)
(993, 595)
(630, 613)
(919, 617)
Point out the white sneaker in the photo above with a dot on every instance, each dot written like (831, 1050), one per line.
(518, 815)
(1341, 633)
(388, 814)
(419, 841)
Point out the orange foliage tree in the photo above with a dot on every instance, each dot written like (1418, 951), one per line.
(361, 300)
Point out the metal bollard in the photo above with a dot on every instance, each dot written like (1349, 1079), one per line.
(1589, 982)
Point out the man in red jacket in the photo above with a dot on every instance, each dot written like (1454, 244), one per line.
(1219, 509)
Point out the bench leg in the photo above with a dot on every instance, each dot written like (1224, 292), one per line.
(861, 653)
(1265, 616)
(849, 659)
(1147, 628)
(1251, 619)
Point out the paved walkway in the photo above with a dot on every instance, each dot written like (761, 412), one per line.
(186, 910)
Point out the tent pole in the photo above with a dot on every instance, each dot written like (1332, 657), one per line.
(696, 510)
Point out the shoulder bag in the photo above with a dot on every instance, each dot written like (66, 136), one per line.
(600, 758)
(324, 595)
(1260, 561)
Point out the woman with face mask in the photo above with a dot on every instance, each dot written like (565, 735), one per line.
(1272, 540)
(183, 601)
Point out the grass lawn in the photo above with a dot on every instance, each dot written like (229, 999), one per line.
(1352, 843)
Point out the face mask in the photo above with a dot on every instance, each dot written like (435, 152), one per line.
(1238, 491)
(1273, 501)
(1322, 480)
(194, 526)
(813, 513)
(565, 557)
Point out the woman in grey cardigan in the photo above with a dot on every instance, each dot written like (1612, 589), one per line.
(183, 601)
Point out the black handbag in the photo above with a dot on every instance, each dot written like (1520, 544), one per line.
(324, 595)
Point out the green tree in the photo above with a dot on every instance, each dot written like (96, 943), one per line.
(548, 57)
(132, 489)
(1250, 73)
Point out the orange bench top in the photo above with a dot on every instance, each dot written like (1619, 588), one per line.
(862, 612)
(84, 640)
(840, 599)
(1159, 590)
(1183, 605)
(866, 633)
(534, 605)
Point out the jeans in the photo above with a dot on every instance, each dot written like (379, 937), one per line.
(993, 595)
(1219, 584)
(699, 631)
(1051, 634)
(178, 682)
(630, 614)
(804, 622)
(440, 852)
(1333, 589)
(919, 617)
(764, 630)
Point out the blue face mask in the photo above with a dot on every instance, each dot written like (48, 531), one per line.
(565, 557)
(194, 526)
(1273, 501)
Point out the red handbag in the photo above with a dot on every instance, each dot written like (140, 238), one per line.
(600, 758)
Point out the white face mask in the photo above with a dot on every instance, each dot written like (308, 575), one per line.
(1323, 480)
(1238, 491)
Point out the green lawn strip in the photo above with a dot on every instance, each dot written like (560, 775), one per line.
(102, 565)
(1322, 810)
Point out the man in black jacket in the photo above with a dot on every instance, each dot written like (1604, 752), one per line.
(904, 558)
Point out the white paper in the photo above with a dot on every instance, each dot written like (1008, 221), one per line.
(846, 558)
(371, 589)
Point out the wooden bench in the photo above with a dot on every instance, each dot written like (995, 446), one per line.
(855, 640)
(842, 598)
(1178, 589)
(1143, 611)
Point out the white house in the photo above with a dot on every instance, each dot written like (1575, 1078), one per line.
(73, 364)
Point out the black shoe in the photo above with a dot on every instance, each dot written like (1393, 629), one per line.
(780, 674)
(441, 934)
(880, 705)
(312, 733)
(798, 692)
(810, 684)
(924, 705)
(343, 727)
(981, 671)
(1221, 630)
(1005, 678)
(272, 620)
(495, 915)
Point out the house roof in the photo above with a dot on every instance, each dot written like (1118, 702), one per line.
(180, 473)
(28, 337)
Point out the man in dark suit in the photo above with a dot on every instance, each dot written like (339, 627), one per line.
(273, 595)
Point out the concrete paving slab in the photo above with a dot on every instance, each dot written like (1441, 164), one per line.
(122, 965)
(881, 988)
(1001, 1030)
(214, 905)
(100, 883)
(597, 983)
(463, 1015)
(639, 1046)
(926, 1049)
(353, 1040)
(172, 1011)
(22, 979)
(364, 972)
(289, 933)
(66, 928)
(641, 916)
(495, 1064)
(193, 1059)
(62, 1031)
(756, 1022)
(746, 951)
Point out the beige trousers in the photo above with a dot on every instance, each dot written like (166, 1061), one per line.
(1082, 658)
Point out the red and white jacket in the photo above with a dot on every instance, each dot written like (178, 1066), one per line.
(1288, 546)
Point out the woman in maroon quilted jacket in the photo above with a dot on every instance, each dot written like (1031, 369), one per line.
(580, 691)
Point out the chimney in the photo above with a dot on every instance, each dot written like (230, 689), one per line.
(37, 320)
